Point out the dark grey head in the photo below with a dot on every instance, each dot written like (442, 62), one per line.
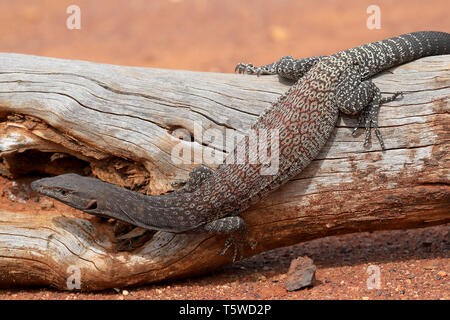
(92, 196)
(74, 190)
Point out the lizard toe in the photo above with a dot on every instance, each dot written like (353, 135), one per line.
(238, 243)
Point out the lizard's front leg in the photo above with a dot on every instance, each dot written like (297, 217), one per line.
(354, 96)
(287, 67)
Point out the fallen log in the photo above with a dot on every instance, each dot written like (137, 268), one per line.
(121, 125)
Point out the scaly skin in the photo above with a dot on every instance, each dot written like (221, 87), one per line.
(304, 117)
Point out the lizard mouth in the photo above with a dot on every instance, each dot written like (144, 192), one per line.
(37, 186)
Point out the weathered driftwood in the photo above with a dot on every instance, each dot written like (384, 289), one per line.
(120, 121)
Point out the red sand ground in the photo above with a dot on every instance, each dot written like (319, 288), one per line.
(213, 35)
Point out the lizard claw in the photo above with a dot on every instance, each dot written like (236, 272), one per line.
(238, 243)
(251, 69)
(369, 116)
(245, 68)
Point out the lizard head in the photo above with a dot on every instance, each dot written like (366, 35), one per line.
(76, 191)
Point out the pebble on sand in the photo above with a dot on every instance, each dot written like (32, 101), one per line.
(301, 274)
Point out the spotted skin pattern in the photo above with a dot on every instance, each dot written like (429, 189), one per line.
(304, 117)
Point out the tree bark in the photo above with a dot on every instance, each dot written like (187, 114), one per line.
(122, 123)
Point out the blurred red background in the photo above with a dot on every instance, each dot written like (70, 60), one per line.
(207, 35)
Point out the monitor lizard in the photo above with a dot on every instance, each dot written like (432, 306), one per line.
(304, 116)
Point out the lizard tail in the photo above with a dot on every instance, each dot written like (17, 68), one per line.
(384, 54)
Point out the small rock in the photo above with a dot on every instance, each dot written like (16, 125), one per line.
(125, 292)
(46, 204)
(365, 298)
(301, 274)
(379, 293)
(442, 273)
(12, 197)
(430, 267)
(18, 193)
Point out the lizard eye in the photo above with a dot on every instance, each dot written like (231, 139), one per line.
(63, 192)
(92, 205)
